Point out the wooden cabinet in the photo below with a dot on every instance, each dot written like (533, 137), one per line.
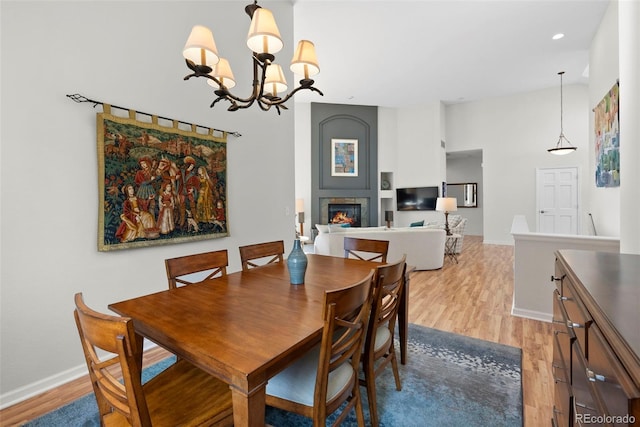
(596, 362)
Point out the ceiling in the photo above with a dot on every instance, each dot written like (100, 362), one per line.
(404, 53)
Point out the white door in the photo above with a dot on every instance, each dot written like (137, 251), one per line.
(557, 200)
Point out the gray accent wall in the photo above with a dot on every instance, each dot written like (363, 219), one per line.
(330, 121)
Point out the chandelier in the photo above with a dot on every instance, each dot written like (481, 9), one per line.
(563, 146)
(264, 40)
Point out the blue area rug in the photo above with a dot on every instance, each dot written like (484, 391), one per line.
(449, 380)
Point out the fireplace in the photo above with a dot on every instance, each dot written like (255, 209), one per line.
(345, 213)
(356, 209)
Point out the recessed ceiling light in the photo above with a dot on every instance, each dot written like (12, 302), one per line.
(558, 36)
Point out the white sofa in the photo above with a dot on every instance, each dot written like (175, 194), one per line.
(424, 247)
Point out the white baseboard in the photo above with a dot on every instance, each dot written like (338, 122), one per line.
(530, 314)
(31, 390)
(497, 242)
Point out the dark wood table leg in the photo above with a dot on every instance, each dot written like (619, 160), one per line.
(403, 316)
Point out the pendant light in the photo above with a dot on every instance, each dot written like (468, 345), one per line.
(563, 146)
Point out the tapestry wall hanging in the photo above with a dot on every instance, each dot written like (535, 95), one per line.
(159, 184)
(607, 139)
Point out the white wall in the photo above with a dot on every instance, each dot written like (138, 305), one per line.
(514, 134)
(387, 139)
(615, 55)
(420, 160)
(603, 203)
(387, 157)
(128, 54)
(629, 29)
(303, 162)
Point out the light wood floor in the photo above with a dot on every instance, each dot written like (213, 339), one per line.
(474, 298)
(471, 298)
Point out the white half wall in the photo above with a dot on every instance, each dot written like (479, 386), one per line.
(534, 264)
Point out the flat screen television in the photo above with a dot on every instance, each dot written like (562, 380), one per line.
(417, 198)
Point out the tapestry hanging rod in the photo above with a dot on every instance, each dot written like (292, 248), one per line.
(81, 98)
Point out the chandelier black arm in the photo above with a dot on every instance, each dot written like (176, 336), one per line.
(203, 71)
(264, 101)
(304, 84)
(199, 71)
(257, 91)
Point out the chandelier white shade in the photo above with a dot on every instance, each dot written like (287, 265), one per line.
(305, 62)
(264, 36)
(275, 81)
(264, 40)
(222, 71)
(201, 47)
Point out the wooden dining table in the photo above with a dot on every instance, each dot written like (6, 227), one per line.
(246, 327)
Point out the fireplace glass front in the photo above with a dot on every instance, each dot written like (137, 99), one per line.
(345, 213)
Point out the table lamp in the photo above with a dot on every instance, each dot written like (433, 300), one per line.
(446, 205)
(388, 216)
(300, 211)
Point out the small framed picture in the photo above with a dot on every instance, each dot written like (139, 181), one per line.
(344, 157)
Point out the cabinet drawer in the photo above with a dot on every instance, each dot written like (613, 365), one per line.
(609, 377)
(578, 318)
(562, 357)
(562, 404)
(564, 334)
(585, 398)
(559, 313)
(561, 367)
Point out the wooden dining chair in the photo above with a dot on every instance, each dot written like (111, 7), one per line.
(260, 254)
(357, 248)
(180, 395)
(319, 383)
(379, 350)
(196, 268)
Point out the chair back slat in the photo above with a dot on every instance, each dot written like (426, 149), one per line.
(115, 335)
(256, 255)
(388, 287)
(366, 249)
(346, 314)
(389, 284)
(181, 394)
(213, 263)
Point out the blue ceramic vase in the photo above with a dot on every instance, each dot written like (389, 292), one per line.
(297, 263)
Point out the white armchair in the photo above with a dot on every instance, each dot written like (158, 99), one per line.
(456, 225)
